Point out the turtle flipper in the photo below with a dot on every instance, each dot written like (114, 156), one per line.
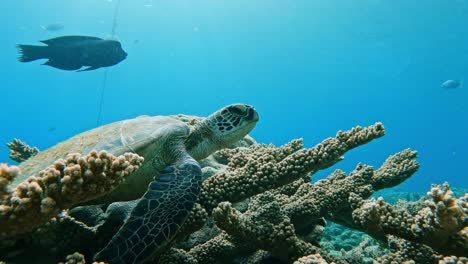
(156, 218)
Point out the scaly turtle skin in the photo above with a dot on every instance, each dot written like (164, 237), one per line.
(167, 184)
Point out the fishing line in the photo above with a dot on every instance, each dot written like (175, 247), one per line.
(114, 21)
(104, 82)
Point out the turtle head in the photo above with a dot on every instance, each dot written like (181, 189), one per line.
(221, 129)
(232, 123)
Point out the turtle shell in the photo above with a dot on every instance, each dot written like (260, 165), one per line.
(144, 135)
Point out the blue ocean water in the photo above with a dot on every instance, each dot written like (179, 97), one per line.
(310, 68)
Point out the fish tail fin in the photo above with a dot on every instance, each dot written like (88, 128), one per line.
(29, 53)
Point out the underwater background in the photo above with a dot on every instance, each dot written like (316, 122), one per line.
(310, 68)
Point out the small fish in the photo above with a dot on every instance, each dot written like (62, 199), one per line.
(53, 26)
(452, 84)
(74, 52)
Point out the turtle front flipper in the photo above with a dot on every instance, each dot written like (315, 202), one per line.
(157, 217)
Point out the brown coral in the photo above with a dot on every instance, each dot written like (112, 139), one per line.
(329, 197)
(453, 260)
(288, 204)
(407, 252)
(62, 185)
(263, 226)
(442, 224)
(279, 207)
(7, 175)
(266, 224)
(20, 151)
(75, 258)
(269, 168)
(311, 259)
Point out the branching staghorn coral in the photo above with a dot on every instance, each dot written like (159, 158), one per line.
(263, 226)
(260, 205)
(75, 258)
(262, 168)
(453, 260)
(329, 197)
(309, 202)
(60, 186)
(311, 259)
(20, 151)
(403, 251)
(251, 171)
(442, 225)
(7, 175)
(286, 203)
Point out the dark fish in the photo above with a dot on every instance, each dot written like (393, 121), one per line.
(73, 52)
(452, 84)
(53, 27)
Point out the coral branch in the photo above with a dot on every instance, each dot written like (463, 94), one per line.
(275, 168)
(258, 205)
(330, 196)
(396, 169)
(7, 175)
(217, 248)
(60, 186)
(311, 259)
(20, 151)
(264, 226)
(407, 252)
(214, 250)
(442, 225)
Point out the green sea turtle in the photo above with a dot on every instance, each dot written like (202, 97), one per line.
(167, 184)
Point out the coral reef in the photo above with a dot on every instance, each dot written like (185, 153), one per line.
(350, 245)
(60, 186)
(453, 260)
(75, 258)
(258, 205)
(442, 224)
(311, 259)
(403, 251)
(7, 175)
(20, 151)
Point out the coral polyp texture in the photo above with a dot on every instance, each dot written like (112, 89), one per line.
(312, 259)
(442, 224)
(62, 185)
(20, 151)
(262, 167)
(258, 205)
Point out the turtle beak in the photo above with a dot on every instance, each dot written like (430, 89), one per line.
(252, 114)
(247, 111)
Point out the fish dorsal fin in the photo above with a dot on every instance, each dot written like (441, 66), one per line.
(67, 39)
